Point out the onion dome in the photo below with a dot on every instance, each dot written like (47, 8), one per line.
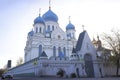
(70, 26)
(31, 33)
(50, 16)
(39, 19)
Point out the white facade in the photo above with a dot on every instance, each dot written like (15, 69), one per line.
(49, 37)
(49, 49)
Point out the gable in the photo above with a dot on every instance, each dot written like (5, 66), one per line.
(58, 32)
(84, 45)
(80, 41)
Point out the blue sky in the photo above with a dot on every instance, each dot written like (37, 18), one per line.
(17, 16)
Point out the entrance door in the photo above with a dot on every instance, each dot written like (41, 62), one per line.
(89, 65)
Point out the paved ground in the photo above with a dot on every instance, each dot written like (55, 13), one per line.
(30, 78)
(48, 78)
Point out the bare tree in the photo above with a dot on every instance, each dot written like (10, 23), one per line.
(19, 61)
(113, 42)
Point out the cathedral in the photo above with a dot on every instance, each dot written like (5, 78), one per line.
(48, 37)
(50, 51)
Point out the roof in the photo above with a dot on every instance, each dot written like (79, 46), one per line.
(39, 19)
(31, 33)
(80, 41)
(70, 26)
(43, 54)
(50, 16)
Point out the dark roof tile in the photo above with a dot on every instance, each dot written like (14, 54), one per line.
(80, 41)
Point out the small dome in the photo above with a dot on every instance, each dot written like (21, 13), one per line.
(70, 26)
(50, 16)
(39, 19)
(31, 33)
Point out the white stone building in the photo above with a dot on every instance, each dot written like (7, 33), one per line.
(47, 36)
(50, 50)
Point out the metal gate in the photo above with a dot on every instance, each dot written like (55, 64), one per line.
(89, 65)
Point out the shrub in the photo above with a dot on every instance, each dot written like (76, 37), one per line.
(73, 75)
(60, 73)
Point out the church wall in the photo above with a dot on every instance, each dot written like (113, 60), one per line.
(71, 33)
(26, 69)
(49, 51)
(47, 67)
(28, 57)
(88, 48)
(38, 26)
(34, 52)
(51, 23)
(93, 52)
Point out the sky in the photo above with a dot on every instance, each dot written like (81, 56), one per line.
(17, 16)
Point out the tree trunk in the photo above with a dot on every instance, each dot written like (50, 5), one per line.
(117, 72)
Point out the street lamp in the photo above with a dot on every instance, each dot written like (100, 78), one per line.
(35, 63)
(99, 57)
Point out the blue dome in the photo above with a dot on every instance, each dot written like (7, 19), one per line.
(50, 16)
(39, 19)
(70, 26)
(31, 33)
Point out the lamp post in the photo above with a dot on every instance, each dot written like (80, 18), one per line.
(35, 63)
(99, 57)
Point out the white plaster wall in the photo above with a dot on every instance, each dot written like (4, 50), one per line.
(34, 52)
(88, 48)
(49, 52)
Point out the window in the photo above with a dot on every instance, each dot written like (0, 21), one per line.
(53, 27)
(54, 51)
(40, 30)
(36, 29)
(48, 27)
(40, 50)
(64, 50)
(73, 35)
(59, 50)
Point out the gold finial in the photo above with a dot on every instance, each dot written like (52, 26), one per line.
(69, 20)
(39, 11)
(49, 4)
(83, 27)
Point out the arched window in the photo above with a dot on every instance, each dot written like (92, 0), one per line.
(36, 29)
(40, 50)
(64, 50)
(40, 30)
(59, 50)
(48, 27)
(53, 27)
(54, 51)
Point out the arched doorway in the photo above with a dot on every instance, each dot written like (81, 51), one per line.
(89, 65)
(77, 71)
(61, 73)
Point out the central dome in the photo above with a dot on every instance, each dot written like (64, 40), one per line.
(50, 16)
